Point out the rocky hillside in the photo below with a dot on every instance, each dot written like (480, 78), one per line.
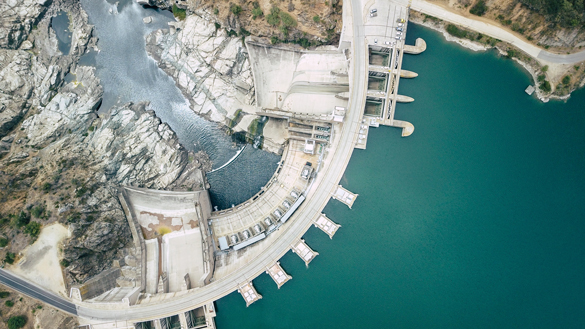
(307, 23)
(556, 25)
(59, 159)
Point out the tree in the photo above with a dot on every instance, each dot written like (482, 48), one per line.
(287, 20)
(3, 242)
(274, 17)
(9, 258)
(22, 219)
(479, 8)
(567, 79)
(4, 294)
(9, 303)
(545, 86)
(16, 322)
(257, 12)
(33, 229)
(37, 211)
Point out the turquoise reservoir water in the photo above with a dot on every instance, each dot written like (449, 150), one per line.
(477, 220)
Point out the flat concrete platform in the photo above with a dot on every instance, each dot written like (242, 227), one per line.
(343, 195)
(249, 293)
(304, 251)
(278, 274)
(326, 225)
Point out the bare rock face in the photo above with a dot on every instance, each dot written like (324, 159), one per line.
(16, 85)
(73, 108)
(211, 69)
(17, 18)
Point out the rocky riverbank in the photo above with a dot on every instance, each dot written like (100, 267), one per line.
(59, 160)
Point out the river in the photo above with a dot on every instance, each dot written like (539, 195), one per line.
(474, 221)
(128, 74)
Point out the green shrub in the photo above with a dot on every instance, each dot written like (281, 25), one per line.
(216, 11)
(244, 32)
(479, 8)
(91, 128)
(567, 79)
(236, 10)
(231, 33)
(274, 17)
(287, 20)
(541, 78)
(64, 262)
(37, 211)
(511, 53)
(257, 12)
(33, 229)
(4, 294)
(316, 19)
(545, 68)
(22, 219)
(3, 242)
(455, 31)
(16, 322)
(179, 13)
(545, 86)
(274, 40)
(46, 187)
(9, 303)
(9, 258)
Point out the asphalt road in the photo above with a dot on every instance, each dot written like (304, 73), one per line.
(316, 201)
(36, 292)
(426, 7)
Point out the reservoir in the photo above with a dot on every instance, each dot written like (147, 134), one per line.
(474, 221)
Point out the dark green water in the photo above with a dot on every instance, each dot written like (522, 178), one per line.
(477, 220)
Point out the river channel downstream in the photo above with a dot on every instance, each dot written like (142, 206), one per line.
(128, 74)
(474, 221)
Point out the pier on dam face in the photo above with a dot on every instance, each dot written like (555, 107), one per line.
(385, 27)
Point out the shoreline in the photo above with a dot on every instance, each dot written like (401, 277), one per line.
(532, 69)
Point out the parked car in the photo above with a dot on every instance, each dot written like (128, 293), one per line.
(399, 29)
(373, 11)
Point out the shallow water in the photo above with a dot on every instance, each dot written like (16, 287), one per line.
(474, 221)
(60, 25)
(128, 74)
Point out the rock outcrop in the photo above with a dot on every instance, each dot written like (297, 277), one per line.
(211, 69)
(17, 20)
(93, 155)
